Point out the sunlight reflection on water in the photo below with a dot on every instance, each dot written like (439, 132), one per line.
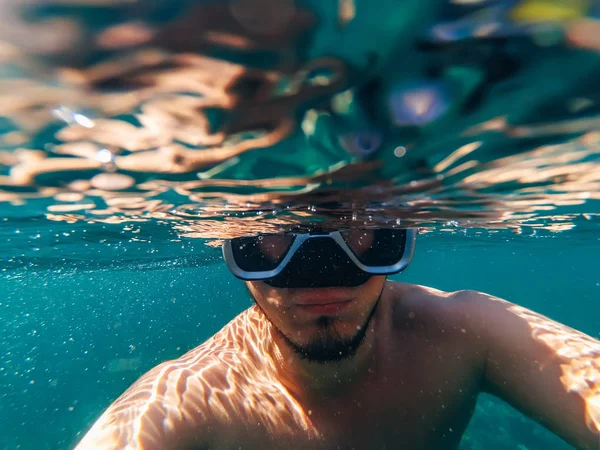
(213, 121)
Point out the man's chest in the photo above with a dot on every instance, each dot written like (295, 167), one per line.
(389, 413)
(396, 415)
(420, 394)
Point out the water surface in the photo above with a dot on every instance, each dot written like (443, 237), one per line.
(136, 136)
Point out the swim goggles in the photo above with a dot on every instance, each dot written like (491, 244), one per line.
(319, 258)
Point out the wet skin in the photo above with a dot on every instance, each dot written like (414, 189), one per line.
(411, 383)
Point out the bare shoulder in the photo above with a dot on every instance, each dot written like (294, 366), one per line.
(407, 298)
(545, 369)
(448, 319)
(177, 403)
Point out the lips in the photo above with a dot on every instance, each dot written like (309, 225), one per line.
(321, 297)
(324, 308)
(322, 301)
(339, 302)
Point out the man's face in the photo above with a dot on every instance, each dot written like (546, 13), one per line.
(320, 324)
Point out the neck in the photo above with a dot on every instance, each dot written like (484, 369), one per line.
(314, 379)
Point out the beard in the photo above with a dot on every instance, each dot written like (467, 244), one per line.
(328, 345)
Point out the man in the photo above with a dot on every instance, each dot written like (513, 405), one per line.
(333, 356)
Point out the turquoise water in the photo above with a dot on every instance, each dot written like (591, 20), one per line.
(133, 137)
(75, 340)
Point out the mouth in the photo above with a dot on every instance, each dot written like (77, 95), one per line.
(321, 296)
(324, 308)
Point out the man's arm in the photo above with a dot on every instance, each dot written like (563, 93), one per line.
(159, 411)
(544, 369)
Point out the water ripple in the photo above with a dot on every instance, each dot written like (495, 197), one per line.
(213, 120)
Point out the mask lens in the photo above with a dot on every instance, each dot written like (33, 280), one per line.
(260, 253)
(376, 247)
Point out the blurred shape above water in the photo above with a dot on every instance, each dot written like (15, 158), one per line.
(221, 118)
(419, 103)
(549, 10)
(584, 33)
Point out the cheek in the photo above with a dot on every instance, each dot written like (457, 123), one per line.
(266, 296)
(273, 302)
(373, 287)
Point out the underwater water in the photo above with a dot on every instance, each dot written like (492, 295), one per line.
(136, 136)
(74, 340)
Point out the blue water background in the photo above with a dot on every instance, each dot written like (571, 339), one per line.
(63, 327)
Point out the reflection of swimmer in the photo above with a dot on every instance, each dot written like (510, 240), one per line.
(333, 356)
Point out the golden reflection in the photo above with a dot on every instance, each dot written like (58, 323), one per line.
(346, 12)
(203, 388)
(580, 355)
(456, 155)
(541, 179)
(162, 118)
(584, 33)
